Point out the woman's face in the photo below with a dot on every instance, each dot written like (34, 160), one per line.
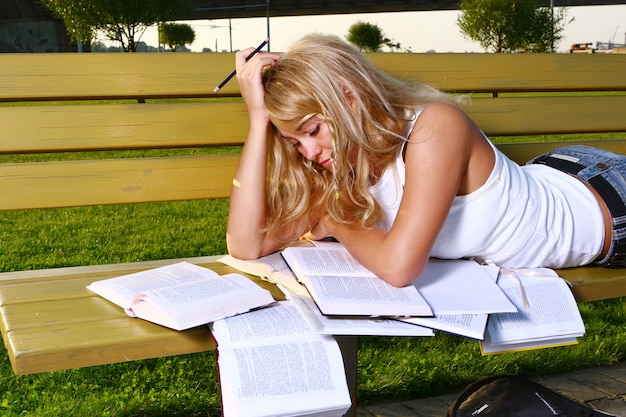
(313, 140)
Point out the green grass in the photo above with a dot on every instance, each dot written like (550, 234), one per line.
(388, 368)
(111, 234)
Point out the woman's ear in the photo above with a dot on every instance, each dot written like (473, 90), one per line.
(349, 97)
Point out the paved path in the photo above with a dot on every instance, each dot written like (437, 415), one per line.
(602, 388)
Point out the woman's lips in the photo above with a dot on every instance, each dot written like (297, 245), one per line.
(326, 163)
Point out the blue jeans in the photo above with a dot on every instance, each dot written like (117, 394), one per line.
(606, 172)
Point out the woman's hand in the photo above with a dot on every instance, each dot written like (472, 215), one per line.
(249, 77)
(321, 230)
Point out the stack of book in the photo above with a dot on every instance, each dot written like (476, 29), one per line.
(504, 309)
(280, 358)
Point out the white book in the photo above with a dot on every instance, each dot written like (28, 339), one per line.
(272, 363)
(552, 319)
(271, 268)
(462, 294)
(354, 325)
(462, 287)
(468, 325)
(340, 285)
(182, 295)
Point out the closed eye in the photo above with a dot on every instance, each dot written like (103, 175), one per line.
(315, 131)
(295, 143)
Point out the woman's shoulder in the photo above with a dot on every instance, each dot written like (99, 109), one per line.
(442, 110)
(445, 136)
(446, 120)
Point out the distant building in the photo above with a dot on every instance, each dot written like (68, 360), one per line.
(25, 26)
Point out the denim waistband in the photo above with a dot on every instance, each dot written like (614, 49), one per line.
(606, 172)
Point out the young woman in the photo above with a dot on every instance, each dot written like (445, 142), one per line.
(398, 173)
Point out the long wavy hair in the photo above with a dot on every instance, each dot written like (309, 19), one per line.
(367, 112)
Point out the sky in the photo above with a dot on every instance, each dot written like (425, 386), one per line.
(420, 31)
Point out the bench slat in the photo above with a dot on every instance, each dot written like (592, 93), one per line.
(76, 345)
(69, 327)
(592, 283)
(121, 126)
(115, 181)
(508, 72)
(38, 291)
(149, 126)
(25, 315)
(111, 76)
(506, 116)
(88, 330)
(102, 76)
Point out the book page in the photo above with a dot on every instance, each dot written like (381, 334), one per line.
(260, 267)
(284, 379)
(553, 312)
(271, 268)
(365, 295)
(488, 349)
(324, 260)
(353, 325)
(221, 289)
(462, 287)
(281, 319)
(342, 286)
(271, 363)
(468, 325)
(193, 304)
(121, 290)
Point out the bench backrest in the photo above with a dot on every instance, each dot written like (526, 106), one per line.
(87, 103)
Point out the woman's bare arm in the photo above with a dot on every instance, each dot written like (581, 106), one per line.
(248, 207)
(447, 155)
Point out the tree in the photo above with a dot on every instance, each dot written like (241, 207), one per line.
(369, 37)
(512, 25)
(176, 34)
(120, 20)
(77, 16)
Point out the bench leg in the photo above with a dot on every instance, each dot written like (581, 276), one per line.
(349, 348)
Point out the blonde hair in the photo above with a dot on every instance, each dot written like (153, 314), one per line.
(366, 111)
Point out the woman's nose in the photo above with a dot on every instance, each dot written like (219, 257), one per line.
(310, 150)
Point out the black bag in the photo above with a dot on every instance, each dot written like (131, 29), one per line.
(514, 396)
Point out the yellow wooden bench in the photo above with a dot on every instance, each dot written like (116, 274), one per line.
(49, 321)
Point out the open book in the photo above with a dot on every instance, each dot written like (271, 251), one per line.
(182, 295)
(462, 294)
(271, 363)
(274, 269)
(459, 286)
(271, 268)
(552, 319)
(468, 325)
(354, 325)
(340, 285)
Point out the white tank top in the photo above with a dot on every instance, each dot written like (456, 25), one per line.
(522, 217)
